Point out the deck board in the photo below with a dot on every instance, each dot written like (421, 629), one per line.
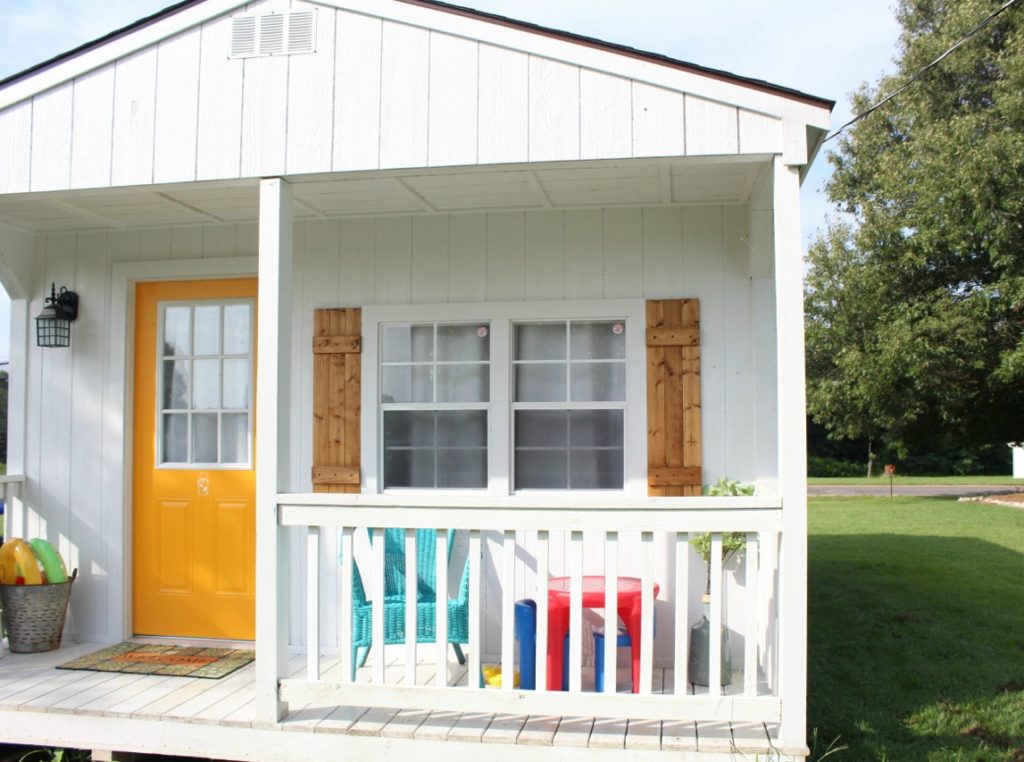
(30, 683)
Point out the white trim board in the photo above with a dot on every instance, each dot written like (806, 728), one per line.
(119, 428)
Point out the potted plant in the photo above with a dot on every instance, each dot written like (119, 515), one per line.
(733, 543)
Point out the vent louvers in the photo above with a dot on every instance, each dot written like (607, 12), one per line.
(273, 34)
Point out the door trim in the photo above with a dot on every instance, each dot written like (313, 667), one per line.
(119, 431)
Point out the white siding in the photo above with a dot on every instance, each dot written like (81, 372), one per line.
(374, 94)
(652, 252)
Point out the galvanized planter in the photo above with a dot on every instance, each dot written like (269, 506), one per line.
(34, 615)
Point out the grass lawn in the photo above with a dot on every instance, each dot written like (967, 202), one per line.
(884, 480)
(916, 629)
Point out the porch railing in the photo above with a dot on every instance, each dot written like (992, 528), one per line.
(660, 528)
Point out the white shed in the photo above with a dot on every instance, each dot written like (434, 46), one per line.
(1018, 460)
(517, 289)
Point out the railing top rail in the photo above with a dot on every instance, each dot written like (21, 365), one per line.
(589, 504)
(12, 478)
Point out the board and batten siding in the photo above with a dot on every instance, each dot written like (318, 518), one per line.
(74, 458)
(376, 94)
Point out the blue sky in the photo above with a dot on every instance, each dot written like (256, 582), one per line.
(823, 47)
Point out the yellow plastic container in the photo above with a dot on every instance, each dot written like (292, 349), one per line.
(18, 564)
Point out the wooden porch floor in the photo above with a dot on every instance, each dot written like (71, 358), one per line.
(217, 718)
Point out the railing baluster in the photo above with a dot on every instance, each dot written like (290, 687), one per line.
(377, 620)
(611, 610)
(441, 606)
(508, 598)
(750, 637)
(543, 554)
(717, 591)
(313, 603)
(575, 612)
(681, 657)
(646, 611)
(411, 607)
(345, 615)
(474, 609)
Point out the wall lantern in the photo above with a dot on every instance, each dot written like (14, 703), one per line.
(53, 324)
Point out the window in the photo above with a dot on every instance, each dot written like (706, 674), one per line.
(569, 381)
(507, 397)
(434, 401)
(205, 384)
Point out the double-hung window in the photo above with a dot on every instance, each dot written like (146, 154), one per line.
(435, 393)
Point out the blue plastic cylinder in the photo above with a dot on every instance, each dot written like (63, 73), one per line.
(525, 626)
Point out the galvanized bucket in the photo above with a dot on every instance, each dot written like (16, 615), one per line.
(34, 615)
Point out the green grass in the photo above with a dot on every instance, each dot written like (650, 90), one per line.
(884, 480)
(916, 629)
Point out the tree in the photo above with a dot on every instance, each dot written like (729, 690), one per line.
(915, 294)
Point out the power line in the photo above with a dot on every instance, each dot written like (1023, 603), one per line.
(995, 14)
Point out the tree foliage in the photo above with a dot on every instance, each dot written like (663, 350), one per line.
(915, 296)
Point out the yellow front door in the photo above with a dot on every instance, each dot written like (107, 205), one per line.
(193, 510)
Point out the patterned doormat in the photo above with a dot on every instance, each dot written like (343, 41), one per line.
(146, 659)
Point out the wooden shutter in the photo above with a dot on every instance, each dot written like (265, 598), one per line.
(336, 400)
(673, 397)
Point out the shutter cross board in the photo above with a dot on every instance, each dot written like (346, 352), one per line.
(336, 399)
(673, 397)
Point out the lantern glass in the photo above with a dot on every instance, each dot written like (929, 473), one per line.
(52, 330)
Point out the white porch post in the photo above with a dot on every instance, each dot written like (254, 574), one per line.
(17, 402)
(275, 266)
(792, 452)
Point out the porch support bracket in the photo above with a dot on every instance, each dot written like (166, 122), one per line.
(272, 392)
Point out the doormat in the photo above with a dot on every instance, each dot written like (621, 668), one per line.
(147, 659)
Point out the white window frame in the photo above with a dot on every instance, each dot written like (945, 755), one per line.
(500, 316)
(162, 306)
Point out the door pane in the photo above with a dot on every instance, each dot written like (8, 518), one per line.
(176, 331)
(236, 384)
(207, 328)
(204, 438)
(234, 438)
(175, 383)
(175, 438)
(236, 329)
(206, 384)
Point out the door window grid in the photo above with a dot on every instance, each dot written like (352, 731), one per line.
(205, 384)
(568, 420)
(434, 400)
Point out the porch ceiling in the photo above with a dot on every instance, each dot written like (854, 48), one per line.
(703, 180)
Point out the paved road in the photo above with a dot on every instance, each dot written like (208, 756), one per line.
(908, 490)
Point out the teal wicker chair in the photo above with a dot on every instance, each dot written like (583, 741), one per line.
(394, 598)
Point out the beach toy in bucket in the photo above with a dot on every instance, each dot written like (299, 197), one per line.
(53, 565)
(19, 564)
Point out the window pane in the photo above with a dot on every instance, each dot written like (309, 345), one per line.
(463, 343)
(408, 343)
(598, 341)
(408, 468)
(595, 428)
(207, 327)
(236, 329)
(175, 438)
(595, 469)
(403, 428)
(463, 383)
(176, 331)
(175, 392)
(598, 382)
(206, 384)
(542, 428)
(407, 383)
(204, 438)
(234, 438)
(541, 469)
(544, 382)
(540, 341)
(465, 469)
(236, 384)
(462, 428)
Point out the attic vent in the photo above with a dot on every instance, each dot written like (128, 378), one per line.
(273, 34)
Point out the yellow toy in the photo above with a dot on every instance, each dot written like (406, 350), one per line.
(18, 564)
(492, 676)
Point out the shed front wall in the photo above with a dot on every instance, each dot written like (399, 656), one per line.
(77, 400)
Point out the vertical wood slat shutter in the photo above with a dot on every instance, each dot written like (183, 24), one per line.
(336, 399)
(673, 397)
